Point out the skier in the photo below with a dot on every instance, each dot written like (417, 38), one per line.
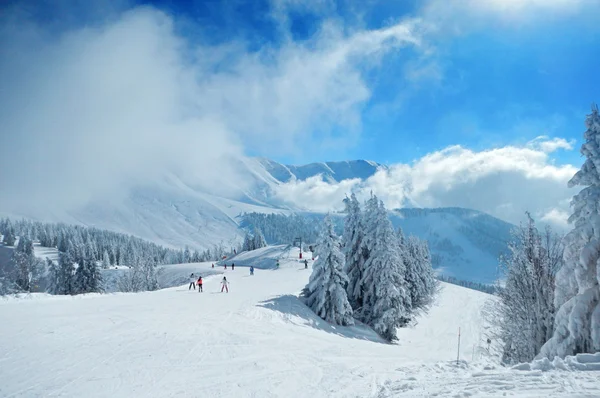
(232, 266)
(199, 283)
(251, 270)
(225, 266)
(192, 281)
(305, 264)
(213, 265)
(277, 265)
(224, 283)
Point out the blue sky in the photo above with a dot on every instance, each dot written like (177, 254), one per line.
(453, 95)
(503, 83)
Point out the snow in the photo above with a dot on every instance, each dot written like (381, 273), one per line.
(266, 257)
(258, 340)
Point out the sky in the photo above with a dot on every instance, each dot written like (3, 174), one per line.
(454, 96)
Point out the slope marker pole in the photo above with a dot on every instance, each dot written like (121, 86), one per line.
(458, 353)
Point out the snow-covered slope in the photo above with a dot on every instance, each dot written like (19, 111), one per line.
(258, 340)
(464, 243)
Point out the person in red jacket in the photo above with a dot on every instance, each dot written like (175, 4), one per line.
(199, 283)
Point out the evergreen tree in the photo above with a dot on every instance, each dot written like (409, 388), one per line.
(248, 243)
(326, 289)
(62, 275)
(187, 256)
(9, 238)
(420, 276)
(106, 260)
(577, 326)
(259, 239)
(26, 264)
(88, 278)
(150, 275)
(386, 304)
(355, 256)
(524, 313)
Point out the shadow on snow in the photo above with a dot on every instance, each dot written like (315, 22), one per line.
(295, 311)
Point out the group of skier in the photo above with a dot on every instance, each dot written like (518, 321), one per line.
(198, 282)
(224, 282)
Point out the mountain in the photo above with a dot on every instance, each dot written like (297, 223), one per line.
(176, 213)
(464, 243)
(330, 171)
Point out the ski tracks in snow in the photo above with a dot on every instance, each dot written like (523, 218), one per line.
(451, 380)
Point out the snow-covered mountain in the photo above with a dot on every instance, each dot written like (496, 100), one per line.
(330, 171)
(464, 243)
(176, 213)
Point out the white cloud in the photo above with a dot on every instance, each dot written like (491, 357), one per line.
(90, 111)
(549, 145)
(504, 182)
(557, 217)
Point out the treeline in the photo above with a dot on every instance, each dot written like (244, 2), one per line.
(82, 251)
(375, 274)
(482, 287)
(109, 248)
(282, 229)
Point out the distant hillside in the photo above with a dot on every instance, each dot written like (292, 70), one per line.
(175, 213)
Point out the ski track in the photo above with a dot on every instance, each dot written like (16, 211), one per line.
(255, 341)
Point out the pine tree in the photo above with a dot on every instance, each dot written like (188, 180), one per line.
(353, 251)
(106, 260)
(28, 267)
(9, 238)
(420, 276)
(62, 275)
(150, 275)
(187, 256)
(259, 239)
(577, 325)
(248, 243)
(326, 290)
(524, 312)
(386, 304)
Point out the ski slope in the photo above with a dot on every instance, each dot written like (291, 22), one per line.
(258, 340)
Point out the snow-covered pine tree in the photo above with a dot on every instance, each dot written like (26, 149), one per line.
(187, 256)
(9, 238)
(577, 324)
(62, 275)
(420, 276)
(105, 260)
(353, 251)
(386, 304)
(248, 243)
(150, 275)
(523, 315)
(326, 290)
(28, 267)
(88, 278)
(259, 239)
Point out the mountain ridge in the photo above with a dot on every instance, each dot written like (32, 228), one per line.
(176, 213)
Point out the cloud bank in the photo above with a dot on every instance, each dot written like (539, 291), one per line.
(89, 111)
(504, 182)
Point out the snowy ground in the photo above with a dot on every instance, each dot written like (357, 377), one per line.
(257, 340)
(266, 257)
